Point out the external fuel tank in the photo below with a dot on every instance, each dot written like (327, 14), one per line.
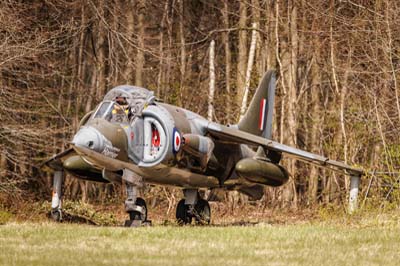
(262, 172)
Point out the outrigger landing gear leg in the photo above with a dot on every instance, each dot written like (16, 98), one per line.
(354, 184)
(193, 206)
(56, 200)
(134, 206)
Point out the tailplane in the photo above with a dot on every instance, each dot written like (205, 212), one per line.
(258, 117)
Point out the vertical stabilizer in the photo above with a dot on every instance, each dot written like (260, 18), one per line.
(258, 117)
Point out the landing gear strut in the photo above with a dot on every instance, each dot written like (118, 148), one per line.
(193, 207)
(134, 206)
(56, 200)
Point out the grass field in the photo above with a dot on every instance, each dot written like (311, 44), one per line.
(373, 242)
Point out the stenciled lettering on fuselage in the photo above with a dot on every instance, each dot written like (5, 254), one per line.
(110, 150)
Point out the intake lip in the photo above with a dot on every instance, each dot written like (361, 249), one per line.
(89, 137)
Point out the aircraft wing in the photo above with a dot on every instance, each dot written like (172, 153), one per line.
(104, 161)
(233, 135)
(55, 162)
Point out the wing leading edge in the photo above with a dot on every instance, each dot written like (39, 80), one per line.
(233, 135)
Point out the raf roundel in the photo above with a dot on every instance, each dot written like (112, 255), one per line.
(176, 140)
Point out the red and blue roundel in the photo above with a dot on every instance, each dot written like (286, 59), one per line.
(176, 140)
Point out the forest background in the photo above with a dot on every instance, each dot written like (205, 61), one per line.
(337, 66)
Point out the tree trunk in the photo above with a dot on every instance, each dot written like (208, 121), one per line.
(270, 51)
(100, 52)
(250, 62)
(3, 156)
(228, 60)
(140, 52)
(289, 70)
(170, 27)
(390, 52)
(315, 115)
(212, 82)
(183, 51)
(3, 166)
(242, 48)
(161, 73)
(343, 95)
(256, 13)
(129, 68)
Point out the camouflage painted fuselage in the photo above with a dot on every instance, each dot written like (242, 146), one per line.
(198, 162)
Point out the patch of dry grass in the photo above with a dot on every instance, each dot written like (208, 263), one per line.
(373, 241)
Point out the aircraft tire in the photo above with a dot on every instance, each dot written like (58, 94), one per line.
(204, 211)
(182, 215)
(135, 215)
(56, 215)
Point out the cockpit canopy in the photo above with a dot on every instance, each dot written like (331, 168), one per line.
(123, 102)
(136, 97)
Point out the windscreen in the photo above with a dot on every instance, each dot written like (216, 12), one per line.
(112, 112)
(102, 110)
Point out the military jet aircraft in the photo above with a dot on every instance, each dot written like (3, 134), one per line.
(132, 138)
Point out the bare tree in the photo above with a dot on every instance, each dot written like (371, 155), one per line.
(250, 63)
(212, 82)
(242, 55)
(228, 60)
(140, 51)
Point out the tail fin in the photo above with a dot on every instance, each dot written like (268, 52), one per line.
(258, 117)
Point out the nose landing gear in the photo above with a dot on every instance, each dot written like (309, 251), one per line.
(134, 206)
(137, 213)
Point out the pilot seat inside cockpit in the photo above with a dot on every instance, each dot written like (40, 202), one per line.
(120, 110)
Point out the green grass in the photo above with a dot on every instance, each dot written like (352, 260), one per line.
(374, 242)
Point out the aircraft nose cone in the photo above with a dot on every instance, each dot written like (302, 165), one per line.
(89, 137)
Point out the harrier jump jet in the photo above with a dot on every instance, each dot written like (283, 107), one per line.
(132, 138)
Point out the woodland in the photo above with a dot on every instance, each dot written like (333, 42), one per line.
(337, 65)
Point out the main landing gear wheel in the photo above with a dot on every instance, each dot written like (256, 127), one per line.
(201, 212)
(182, 213)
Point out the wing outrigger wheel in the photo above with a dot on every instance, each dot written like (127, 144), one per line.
(56, 215)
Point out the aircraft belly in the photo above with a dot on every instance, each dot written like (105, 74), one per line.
(164, 175)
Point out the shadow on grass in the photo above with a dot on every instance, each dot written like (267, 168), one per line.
(77, 219)
(228, 224)
(74, 219)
